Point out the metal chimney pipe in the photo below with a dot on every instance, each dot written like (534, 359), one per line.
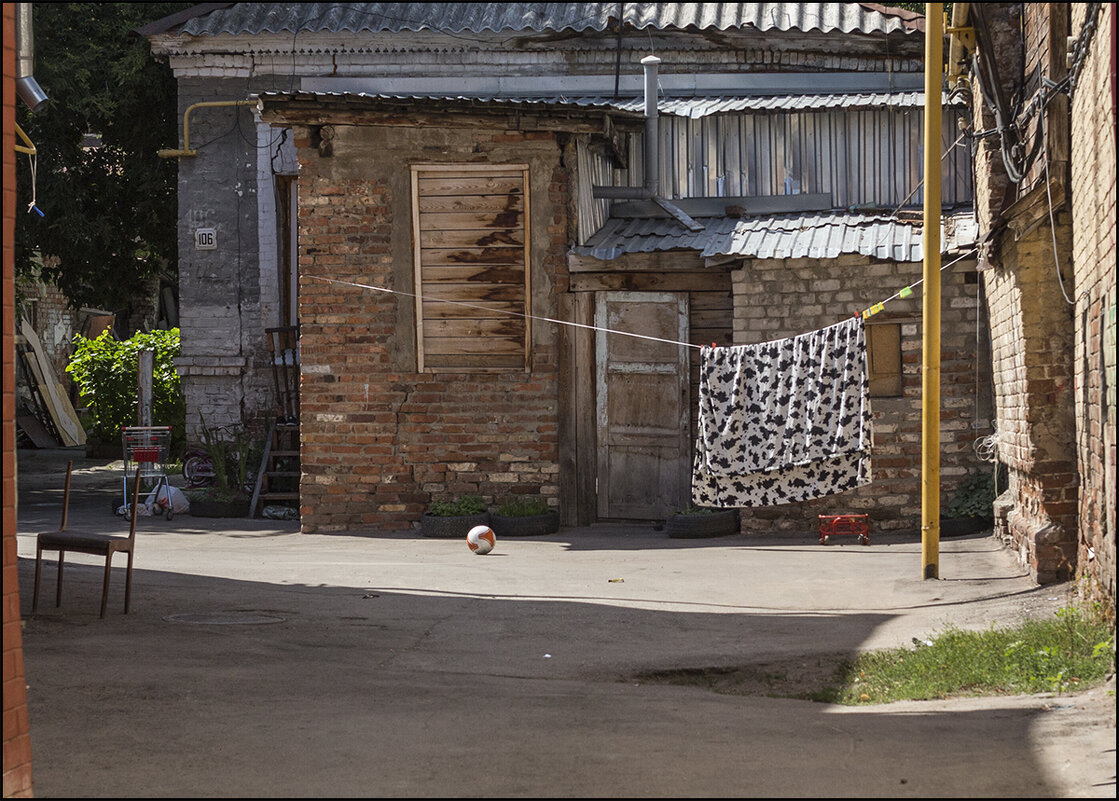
(652, 128)
(27, 88)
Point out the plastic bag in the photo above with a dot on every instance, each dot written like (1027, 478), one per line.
(169, 497)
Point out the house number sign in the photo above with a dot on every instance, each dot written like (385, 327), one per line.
(205, 239)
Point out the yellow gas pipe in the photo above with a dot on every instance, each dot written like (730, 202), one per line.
(930, 373)
(186, 151)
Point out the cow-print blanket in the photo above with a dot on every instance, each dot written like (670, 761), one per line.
(783, 421)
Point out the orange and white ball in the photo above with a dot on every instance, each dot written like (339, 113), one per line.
(481, 539)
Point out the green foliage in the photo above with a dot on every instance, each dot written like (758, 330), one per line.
(974, 497)
(109, 212)
(462, 507)
(230, 449)
(1075, 650)
(105, 371)
(523, 507)
(690, 510)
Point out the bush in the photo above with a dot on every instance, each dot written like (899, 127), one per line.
(523, 507)
(105, 372)
(975, 497)
(464, 507)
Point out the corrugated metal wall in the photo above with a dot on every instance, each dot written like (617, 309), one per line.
(860, 157)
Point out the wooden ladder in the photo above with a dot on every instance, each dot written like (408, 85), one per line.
(278, 477)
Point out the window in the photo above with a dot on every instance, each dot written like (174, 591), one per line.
(472, 266)
(883, 357)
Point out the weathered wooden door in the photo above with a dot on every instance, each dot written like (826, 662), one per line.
(642, 404)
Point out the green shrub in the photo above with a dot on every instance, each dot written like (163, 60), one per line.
(975, 497)
(523, 507)
(105, 372)
(463, 507)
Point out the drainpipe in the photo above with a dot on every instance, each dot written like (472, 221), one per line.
(27, 87)
(651, 190)
(652, 128)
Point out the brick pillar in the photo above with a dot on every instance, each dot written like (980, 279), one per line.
(17, 736)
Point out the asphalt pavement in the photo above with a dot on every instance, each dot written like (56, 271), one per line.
(261, 662)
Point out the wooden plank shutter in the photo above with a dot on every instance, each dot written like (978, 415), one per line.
(883, 353)
(471, 257)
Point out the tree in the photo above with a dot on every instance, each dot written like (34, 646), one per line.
(108, 211)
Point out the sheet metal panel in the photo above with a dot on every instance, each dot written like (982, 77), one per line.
(825, 235)
(253, 18)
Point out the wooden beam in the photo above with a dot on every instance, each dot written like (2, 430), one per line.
(657, 261)
(712, 281)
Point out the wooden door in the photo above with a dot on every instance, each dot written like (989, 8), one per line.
(644, 440)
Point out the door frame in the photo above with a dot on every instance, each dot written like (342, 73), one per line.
(601, 400)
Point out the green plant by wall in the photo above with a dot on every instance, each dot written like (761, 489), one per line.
(463, 507)
(232, 448)
(105, 372)
(523, 507)
(975, 497)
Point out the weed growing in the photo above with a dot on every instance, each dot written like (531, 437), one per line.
(1072, 651)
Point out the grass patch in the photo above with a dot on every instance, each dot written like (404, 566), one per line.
(1071, 651)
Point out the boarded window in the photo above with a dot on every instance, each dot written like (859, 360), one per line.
(883, 356)
(471, 258)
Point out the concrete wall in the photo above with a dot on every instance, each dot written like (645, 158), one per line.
(781, 298)
(224, 352)
(379, 440)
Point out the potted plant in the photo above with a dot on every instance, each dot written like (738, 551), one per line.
(524, 517)
(693, 522)
(971, 508)
(453, 519)
(228, 494)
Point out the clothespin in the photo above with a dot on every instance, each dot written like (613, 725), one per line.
(906, 292)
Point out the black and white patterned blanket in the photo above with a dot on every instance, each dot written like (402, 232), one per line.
(783, 421)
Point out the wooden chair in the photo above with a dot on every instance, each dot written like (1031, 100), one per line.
(97, 544)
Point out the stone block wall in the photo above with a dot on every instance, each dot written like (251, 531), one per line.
(379, 440)
(781, 298)
(1093, 256)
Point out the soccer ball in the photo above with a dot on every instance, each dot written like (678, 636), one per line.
(481, 539)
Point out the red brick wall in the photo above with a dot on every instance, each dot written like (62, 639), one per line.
(379, 441)
(17, 737)
(1093, 253)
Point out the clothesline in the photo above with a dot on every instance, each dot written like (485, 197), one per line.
(868, 312)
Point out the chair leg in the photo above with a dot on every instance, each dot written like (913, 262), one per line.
(58, 590)
(38, 574)
(105, 586)
(128, 584)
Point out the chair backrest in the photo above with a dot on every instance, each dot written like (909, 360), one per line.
(66, 496)
(135, 506)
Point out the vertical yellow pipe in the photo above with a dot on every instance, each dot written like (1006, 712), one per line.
(930, 373)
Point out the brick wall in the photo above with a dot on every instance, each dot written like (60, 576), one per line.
(1031, 336)
(17, 737)
(1026, 237)
(1093, 254)
(379, 440)
(775, 299)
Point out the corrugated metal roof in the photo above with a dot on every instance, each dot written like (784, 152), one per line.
(692, 107)
(459, 18)
(814, 235)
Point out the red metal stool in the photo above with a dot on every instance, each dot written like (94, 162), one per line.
(844, 525)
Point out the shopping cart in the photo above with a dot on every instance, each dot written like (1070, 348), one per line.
(147, 448)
